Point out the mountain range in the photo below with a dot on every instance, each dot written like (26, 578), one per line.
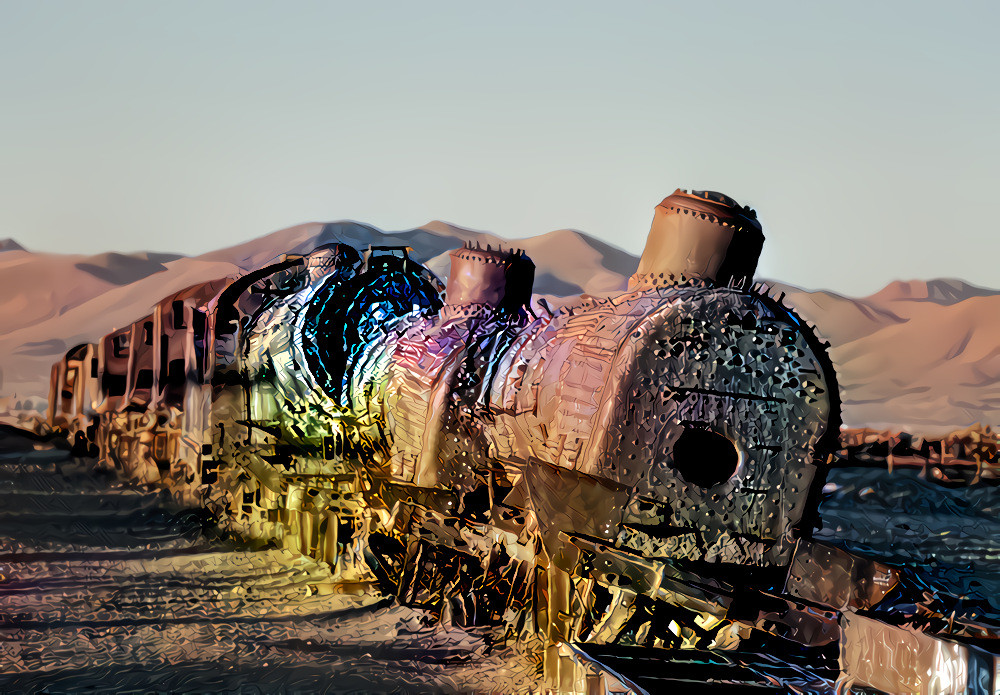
(919, 355)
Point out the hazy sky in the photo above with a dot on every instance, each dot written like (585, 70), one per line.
(865, 134)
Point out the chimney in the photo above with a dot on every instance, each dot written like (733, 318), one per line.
(701, 234)
(496, 277)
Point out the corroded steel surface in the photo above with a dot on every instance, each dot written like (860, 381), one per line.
(640, 469)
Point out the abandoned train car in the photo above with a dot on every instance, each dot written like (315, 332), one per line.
(641, 468)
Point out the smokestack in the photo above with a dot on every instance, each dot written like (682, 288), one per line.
(701, 234)
(499, 278)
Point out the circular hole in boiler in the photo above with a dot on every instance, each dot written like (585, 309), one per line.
(705, 458)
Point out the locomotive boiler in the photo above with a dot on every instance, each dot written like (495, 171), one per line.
(636, 469)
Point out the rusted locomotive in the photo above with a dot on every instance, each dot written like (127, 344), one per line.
(452, 444)
(637, 469)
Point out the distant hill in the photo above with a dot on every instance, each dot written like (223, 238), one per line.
(917, 355)
(51, 302)
(920, 356)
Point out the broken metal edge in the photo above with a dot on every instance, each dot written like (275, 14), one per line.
(584, 674)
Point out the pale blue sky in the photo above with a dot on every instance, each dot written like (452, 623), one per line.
(864, 133)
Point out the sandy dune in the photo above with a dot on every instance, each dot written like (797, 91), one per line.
(919, 355)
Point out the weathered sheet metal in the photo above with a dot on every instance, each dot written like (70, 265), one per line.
(641, 469)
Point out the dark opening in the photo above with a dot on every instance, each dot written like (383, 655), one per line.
(176, 373)
(115, 384)
(144, 379)
(198, 324)
(164, 355)
(705, 458)
(147, 333)
(177, 309)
